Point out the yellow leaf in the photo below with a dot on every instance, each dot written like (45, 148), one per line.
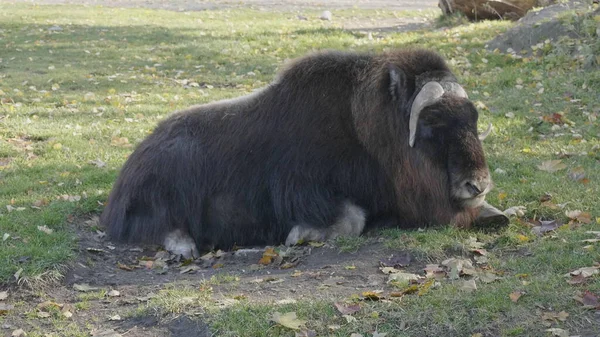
(268, 256)
(502, 196)
(288, 320)
(515, 295)
(57, 146)
(522, 238)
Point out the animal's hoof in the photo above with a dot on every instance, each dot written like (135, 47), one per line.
(490, 217)
(180, 243)
(300, 234)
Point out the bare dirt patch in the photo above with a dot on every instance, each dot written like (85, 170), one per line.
(108, 283)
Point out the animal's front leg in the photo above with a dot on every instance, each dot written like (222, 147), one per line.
(490, 217)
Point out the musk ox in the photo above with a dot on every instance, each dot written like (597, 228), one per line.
(337, 142)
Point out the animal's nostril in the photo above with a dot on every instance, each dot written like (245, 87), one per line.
(473, 188)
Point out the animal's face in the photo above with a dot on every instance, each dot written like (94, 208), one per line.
(447, 132)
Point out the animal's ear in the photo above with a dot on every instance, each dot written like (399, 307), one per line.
(398, 84)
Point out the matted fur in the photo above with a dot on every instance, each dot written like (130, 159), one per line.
(332, 128)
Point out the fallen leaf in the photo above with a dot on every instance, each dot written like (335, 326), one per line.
(577, 174)
(349, 319)
(18, 333)
(124, 266)
(347, 309)
(425, 287)
(98, 163)
(562, 316)
(545, 227)
(578, 279)
(558, 332)
(515, 295)
(288, 320)
(5, 308)
(45, 229)
(84, 287)
(585, 271)
(43, 314)
(589, 300)
(3, 295)
(379, 334)
(114, 293)
(583, 217)
(356, 335)
(17, 275)
(268, 256)
(552, 166)
(469, 285)
(458, 266)
(434, 271)
(371, 295)
(402, 277)
(389, 270)
(114, 318)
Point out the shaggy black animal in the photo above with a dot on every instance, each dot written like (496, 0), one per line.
(338, 141)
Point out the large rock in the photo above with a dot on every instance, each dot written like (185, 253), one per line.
(535, 28)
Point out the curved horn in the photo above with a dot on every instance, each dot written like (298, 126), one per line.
(486, 132)
(457, 89)
(430, 93)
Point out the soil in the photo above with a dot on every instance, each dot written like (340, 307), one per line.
(140, 272)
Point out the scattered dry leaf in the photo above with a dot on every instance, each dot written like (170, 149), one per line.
(45, 229)
(371, 295)
(583, 217)
(577, 174)
(288, 320)
(558, 332)
(114, 293)
(3, 295)
(469, 285)
(546, 226)
(347, 309)
(403, 277)
(268, 256)
(589, 300)
(552, 166)
(515, 295)
(5, 308)
(18, 333)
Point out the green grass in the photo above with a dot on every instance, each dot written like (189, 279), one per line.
(73, 95)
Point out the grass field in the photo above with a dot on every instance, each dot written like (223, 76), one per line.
(81, 86)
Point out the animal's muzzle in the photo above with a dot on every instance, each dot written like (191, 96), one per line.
(476, 187)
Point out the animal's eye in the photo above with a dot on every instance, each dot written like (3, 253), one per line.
(425, 131)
